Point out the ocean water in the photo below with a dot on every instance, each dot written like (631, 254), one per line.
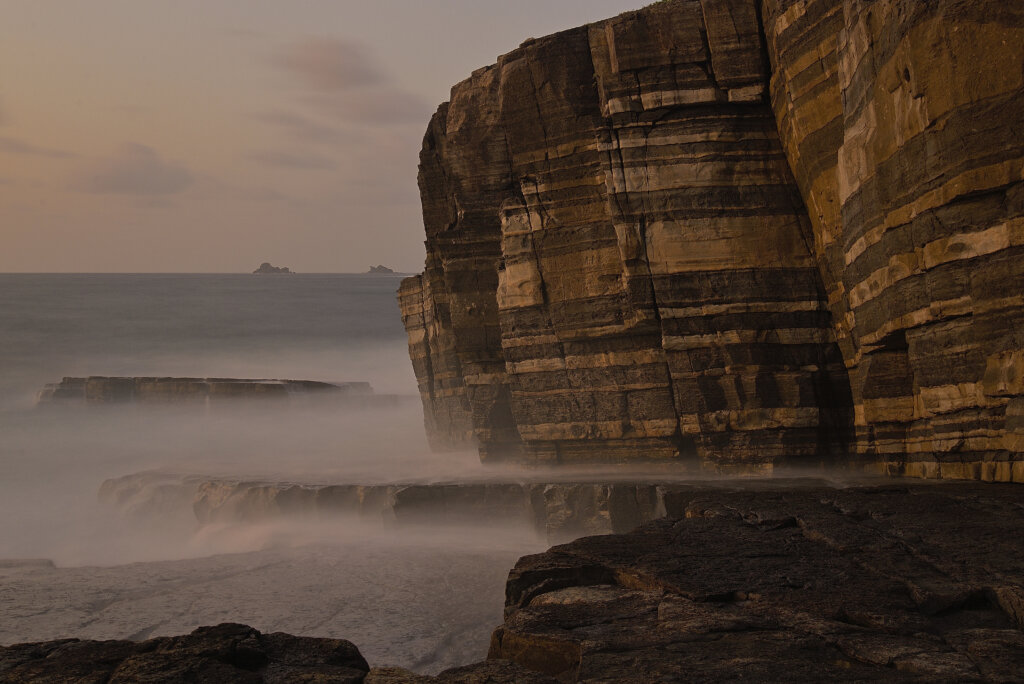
(71, 565)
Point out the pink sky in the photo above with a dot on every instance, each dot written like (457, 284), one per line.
(213, 135)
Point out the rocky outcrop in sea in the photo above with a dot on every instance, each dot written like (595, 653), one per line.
(741, 233)
(267, 268)
(97, 390)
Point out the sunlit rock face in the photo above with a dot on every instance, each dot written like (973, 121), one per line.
(902, 123)
(743, 234)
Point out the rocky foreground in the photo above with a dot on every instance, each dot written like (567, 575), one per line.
(900, 582)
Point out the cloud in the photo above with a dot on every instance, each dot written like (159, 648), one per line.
(14, 146)
(300, 127)
(133, 170)
(290, 160)
(345, 83)
(377, 107)
(330, 64)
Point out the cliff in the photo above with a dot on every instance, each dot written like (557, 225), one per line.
(741, 233)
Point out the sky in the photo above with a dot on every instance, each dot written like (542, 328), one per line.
(185, 136)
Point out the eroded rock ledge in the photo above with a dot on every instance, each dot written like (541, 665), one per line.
(746, 232)
(897, 583)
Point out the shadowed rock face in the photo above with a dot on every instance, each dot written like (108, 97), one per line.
(921, 583)
(748, 233)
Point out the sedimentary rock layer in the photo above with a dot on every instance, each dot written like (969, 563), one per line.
(902, 123)
(919, 583)
(107, 390)
(618, 253)
(757, 233)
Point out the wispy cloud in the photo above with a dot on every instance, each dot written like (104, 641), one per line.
(331, 64)
(300, 126)
(15, 146)
(290, 160)
(379, 107)
(345, 82)
(132, 170)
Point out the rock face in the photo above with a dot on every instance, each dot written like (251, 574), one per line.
(226, 653)
(920, 583)
(744, 233)
(266, 268)
(107, 390)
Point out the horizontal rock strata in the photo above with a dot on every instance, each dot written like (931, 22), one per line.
(919, 583)
(749, 233)
(901, 121)
(113, 390)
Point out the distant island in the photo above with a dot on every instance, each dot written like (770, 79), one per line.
(265, 267)
(378, 269)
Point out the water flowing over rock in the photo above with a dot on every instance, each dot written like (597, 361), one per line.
(743, 233)
(559, 511)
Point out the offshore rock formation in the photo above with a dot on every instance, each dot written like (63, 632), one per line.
(752, 233)
(107, 390)
(919, 583)
(267, 268)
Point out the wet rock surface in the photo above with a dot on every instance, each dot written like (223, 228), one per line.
(895, 583)
(225, 653)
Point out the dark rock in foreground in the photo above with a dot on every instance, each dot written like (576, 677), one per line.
(896, 583)
(109, 390)
(226, 653)
(902, 582)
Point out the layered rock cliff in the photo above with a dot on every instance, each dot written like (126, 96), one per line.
(743, 233)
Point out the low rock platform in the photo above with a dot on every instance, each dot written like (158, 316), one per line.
(124, 390)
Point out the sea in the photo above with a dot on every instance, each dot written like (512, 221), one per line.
(71, 565)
